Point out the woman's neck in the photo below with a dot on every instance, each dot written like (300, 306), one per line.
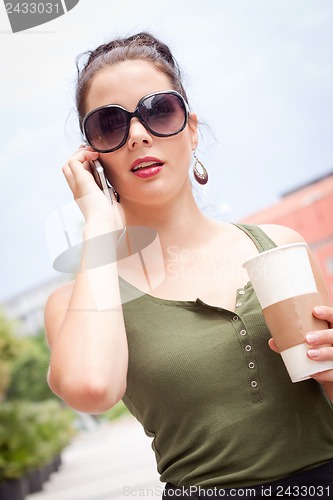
(177, 221)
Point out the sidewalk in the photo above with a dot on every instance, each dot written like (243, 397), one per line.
(112, 462)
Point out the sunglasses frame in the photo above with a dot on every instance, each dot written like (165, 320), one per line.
(136, 114)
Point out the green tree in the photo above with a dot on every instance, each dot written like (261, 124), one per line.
(28, 379)
(9, 350)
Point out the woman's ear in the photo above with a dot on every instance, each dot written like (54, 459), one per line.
(193, 127)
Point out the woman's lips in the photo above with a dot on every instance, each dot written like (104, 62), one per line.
(148, 171)
(146, 167)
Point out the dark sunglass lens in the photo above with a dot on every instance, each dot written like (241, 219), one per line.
(106, 128)
(164, 114)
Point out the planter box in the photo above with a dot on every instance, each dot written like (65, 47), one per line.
(57, 462)
(35, 480)
(46, 471)
(14, 489)
(32, 482)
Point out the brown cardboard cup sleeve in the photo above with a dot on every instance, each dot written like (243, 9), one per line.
(286, 289)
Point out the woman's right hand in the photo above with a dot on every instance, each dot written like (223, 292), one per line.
(91, 200)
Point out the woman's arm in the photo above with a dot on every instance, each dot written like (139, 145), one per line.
(83, 320)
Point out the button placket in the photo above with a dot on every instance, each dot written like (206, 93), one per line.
(251, 365)
(247, 348)
(240, 292)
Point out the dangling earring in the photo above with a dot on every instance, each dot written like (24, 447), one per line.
(200, 177)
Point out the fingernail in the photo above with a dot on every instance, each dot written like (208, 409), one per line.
(311, 338)
(319, 311)
(314, 353)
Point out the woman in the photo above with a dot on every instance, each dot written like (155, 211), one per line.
(190, 358)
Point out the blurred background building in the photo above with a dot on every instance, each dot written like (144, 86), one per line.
(28, 306)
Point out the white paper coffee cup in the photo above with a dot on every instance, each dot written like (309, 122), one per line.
(281, 273)
(286, 289)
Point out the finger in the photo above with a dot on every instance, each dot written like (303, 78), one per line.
(79, 165)
(325, 313)
(84, 154)
(273, 345)
(78, 173)
(68, 176)
(320, 337)
(87, 164)
(321, 354)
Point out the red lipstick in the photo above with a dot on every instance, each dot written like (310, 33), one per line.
(148, 166)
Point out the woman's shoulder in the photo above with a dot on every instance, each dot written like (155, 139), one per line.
(281, 235)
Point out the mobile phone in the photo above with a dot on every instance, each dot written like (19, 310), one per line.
(99, 176)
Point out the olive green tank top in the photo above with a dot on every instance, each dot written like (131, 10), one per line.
(216, 400)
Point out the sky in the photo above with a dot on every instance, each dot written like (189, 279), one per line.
(259, 74)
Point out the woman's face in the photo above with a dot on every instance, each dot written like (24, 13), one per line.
(125, 83)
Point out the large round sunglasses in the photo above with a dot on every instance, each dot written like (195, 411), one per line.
(163, 114)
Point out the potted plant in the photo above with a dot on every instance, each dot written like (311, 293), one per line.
(32, 436)
(16, 445)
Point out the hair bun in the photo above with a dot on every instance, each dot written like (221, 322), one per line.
(145, 38)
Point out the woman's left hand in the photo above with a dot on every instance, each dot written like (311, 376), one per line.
(321, 338)
(320, 347)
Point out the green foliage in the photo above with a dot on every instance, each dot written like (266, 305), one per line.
(9, 350)
(31, 434)
(29, 371)
(9, 345)
(117, 411)
(34, 426)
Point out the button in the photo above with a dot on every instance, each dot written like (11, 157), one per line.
(235, 318)
(243, 332)
(248, 348)
(254, 383)
(238, 304)
(219, 309)
(241, 292)
(251, 365)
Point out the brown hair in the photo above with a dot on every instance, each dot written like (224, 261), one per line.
(140, 46)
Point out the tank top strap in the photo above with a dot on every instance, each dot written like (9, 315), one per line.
(258, 236)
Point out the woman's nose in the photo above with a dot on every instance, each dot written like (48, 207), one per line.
(138, 134)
